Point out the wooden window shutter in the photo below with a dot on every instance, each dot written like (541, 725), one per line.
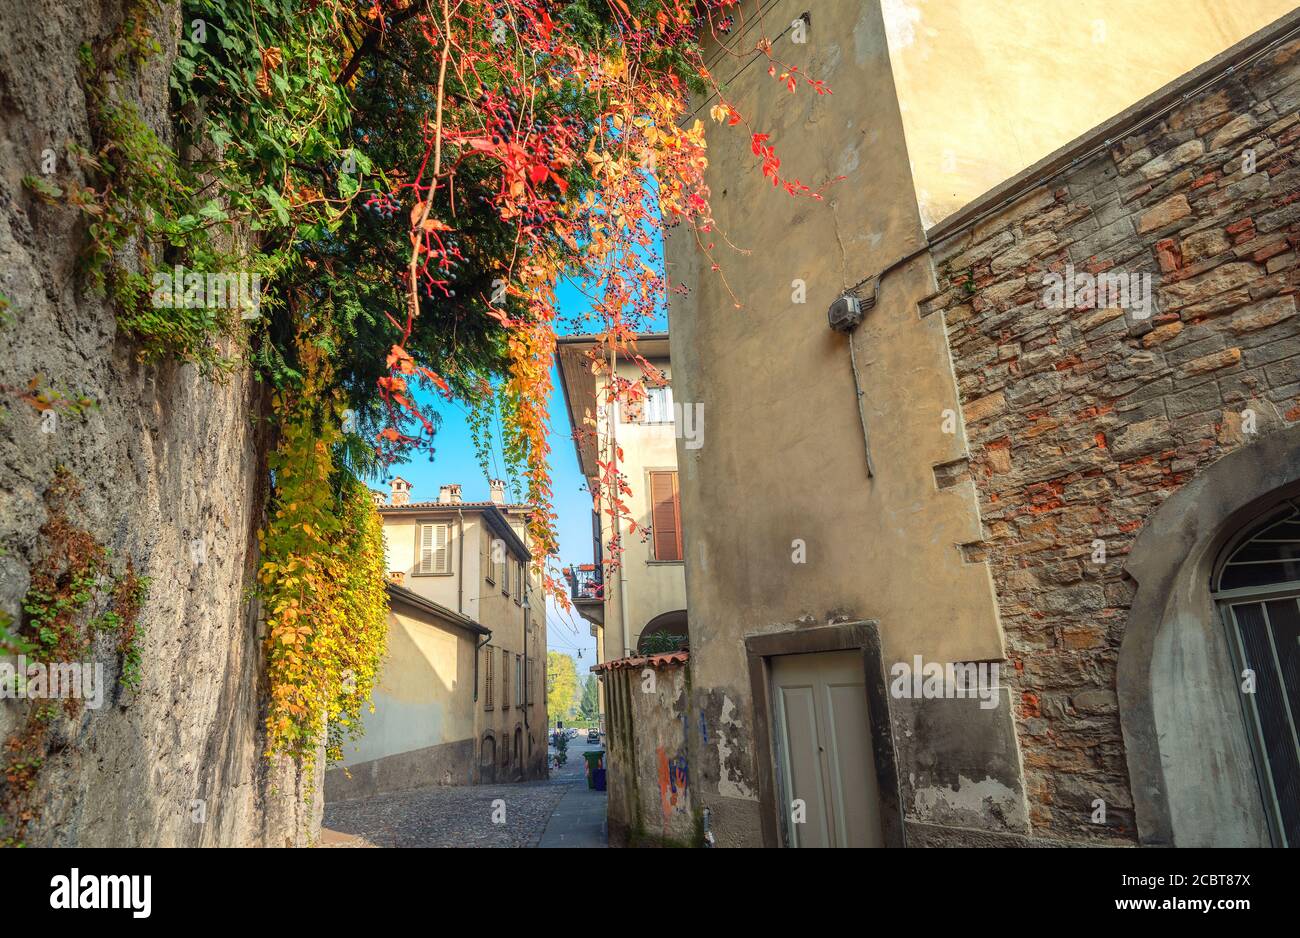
(485, 545)
(666, 516)
(505, 677)
(426, 548)
(489, 661)
(441, 548)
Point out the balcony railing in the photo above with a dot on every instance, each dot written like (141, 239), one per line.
(586, 582)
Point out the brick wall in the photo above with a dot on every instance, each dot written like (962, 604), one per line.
(1081, 421)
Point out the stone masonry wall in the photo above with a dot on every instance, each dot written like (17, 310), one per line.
(1080, 422)
(167, 457)
(647, 773)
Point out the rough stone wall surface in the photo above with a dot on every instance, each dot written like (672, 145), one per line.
(647, 765)
(1080, 422)
(168, 456)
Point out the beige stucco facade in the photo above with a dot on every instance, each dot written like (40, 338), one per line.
(988, 87)
(423, 730)
(832, 497)
(641, 593)
(467, 652)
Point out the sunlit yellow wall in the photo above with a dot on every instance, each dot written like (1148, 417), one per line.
(989, 87)
(425, 692)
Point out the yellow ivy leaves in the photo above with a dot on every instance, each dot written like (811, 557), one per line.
(321, 581)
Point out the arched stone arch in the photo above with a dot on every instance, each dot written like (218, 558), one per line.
(487, 761)
(1189, 758)
(674, 623)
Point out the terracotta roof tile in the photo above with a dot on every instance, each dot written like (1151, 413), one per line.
(644, 661)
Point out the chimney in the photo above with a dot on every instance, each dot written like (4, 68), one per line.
(498, 489)
(401, 491)
(449, 495)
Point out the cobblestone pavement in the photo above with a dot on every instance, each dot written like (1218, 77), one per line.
(451, 815)
(444, 816)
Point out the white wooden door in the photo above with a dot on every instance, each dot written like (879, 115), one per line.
(827, 773)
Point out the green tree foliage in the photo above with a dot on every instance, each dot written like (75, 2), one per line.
(589, 707)
(561, 685)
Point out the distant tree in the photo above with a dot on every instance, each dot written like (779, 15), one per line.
(561, 685)
(589, 707)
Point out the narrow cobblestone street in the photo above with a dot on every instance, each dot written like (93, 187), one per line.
(559, 812)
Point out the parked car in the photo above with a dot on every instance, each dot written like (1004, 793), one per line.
(593, 736)
(573, 733)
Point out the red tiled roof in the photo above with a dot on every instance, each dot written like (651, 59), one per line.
(644, 661)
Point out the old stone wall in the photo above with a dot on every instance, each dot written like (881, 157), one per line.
(647, 766)
(1081, 420)
(167, 459)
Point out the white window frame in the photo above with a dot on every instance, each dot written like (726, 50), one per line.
(658, 407)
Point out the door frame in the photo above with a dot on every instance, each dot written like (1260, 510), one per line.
(862, 635)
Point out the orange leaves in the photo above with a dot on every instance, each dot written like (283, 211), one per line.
(271, 59)
(602, 165)
(513, 126)
(400, 359)
(725, 112)
(392, 385)
(437, 379)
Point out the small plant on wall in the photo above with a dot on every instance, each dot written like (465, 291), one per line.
(662, 642)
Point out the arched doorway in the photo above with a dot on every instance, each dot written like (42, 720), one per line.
(1191, 738)
(488, 759)
(1257, 588)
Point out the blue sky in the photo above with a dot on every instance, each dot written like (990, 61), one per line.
(454, 462)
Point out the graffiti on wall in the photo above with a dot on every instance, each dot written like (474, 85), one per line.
(673, 781)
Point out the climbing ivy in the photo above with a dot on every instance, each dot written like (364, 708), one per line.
(322, 577)
(71, 579)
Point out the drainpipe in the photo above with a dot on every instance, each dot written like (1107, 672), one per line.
(618, 521)
(460, 579)
(845, 315)
(528, 704)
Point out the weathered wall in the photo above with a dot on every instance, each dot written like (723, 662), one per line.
(647, 765)
(422, 730)
(653, 587)
(168, 457)
(988, 87)
(782, 461)
(466, 589)
(1082, 422)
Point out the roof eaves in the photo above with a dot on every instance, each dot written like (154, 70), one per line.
(403, 595)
